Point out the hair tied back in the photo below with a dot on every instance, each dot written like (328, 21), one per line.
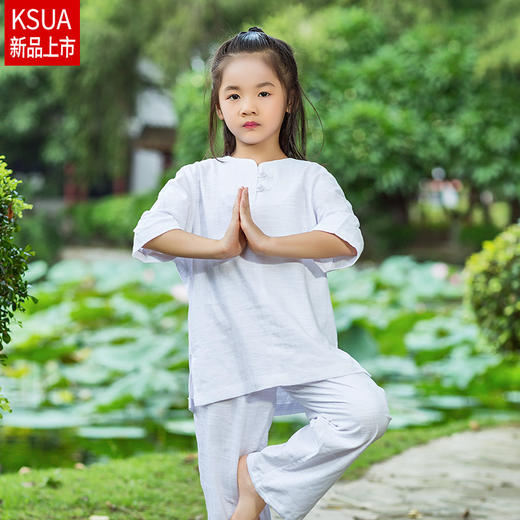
(252, 29)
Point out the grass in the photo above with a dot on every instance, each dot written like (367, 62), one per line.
(160, 486)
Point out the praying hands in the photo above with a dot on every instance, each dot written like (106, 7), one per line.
(256, 239)
(242, 230)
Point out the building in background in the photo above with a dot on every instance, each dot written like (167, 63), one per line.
(152, 132)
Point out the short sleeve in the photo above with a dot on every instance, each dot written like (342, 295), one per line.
(170, 211)
(333, 213)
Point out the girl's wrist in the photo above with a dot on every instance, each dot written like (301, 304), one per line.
(220, 252)
(265, 245)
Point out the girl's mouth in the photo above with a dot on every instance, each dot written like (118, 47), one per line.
(251, 125)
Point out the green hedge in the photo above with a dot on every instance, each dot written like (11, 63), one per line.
(493, 289)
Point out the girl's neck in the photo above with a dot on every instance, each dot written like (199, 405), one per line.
(259, 158)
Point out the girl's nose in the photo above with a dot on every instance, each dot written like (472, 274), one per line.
(248, 107)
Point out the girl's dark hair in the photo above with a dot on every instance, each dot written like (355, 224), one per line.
(279, 56)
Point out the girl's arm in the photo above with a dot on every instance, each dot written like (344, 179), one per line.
(335, 241)
(312, 244)
(178, 242)
(163, 230)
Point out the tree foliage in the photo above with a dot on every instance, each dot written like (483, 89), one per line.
(392, 107)
(398, 86)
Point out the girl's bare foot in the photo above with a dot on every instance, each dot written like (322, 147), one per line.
(250, 503)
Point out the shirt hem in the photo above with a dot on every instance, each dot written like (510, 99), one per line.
(278, 380)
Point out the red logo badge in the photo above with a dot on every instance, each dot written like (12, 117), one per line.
(42, 32)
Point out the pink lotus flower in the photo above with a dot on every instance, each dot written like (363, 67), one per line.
(148, 274)
(455, 278)
(180, 292)
(439, 270)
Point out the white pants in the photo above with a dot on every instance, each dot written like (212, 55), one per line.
(346, 414)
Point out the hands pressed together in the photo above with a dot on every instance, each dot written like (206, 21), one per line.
(242, 230)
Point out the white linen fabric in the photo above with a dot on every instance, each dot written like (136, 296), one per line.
(345, 415)
(256, 321)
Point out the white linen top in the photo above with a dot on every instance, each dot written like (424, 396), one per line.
(256, 321)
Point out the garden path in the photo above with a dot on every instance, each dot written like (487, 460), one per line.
(470, 474)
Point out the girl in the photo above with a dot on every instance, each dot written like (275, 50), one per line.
(253, 234)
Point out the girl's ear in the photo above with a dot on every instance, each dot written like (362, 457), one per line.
(219, 113)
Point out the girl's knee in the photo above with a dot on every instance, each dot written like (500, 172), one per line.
(370, 419)
(376, 415)
(380, 425)
(366, 419)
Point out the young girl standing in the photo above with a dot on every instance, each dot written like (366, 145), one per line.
(253, 234)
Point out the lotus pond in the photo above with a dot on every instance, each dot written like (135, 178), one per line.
(99, 367)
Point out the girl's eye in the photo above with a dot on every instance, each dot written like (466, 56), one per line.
(263, 92)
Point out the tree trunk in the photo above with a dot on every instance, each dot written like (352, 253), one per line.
(397, 207)
(119, 185)
(515, 211)
(474, 200)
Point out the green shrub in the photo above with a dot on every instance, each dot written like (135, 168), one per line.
(42, 231)
(13, 260)
(108, 220)
(475, 234)
(493, 289)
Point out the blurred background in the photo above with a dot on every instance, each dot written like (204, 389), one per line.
(419, 121)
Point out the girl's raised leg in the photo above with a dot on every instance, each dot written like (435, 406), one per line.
(346, 414)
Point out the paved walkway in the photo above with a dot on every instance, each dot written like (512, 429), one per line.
(471, 474)
(95, 253)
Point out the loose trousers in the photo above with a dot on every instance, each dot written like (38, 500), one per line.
(346, 414)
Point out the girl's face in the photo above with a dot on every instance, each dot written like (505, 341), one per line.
(250, 91)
